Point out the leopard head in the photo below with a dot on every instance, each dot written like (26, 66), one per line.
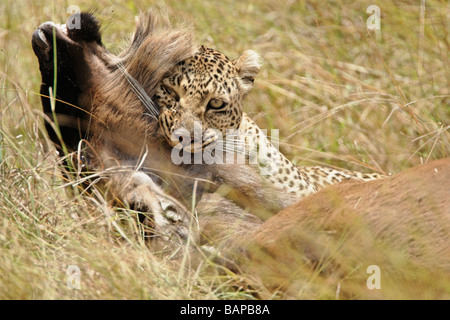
(201, 97)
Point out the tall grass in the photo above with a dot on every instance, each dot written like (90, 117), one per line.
(339, 94)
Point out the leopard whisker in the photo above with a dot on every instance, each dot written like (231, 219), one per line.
(237, 150)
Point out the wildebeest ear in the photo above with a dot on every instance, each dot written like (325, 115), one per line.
(84, 26)
(248, 65)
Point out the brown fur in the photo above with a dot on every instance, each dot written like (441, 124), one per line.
(400, 223)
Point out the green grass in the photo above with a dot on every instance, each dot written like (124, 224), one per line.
(339, 96)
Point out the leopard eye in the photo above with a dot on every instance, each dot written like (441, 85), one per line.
(170, 92)
(216, 104)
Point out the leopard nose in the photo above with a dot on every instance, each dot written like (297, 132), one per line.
(186, 139)
(183, 137)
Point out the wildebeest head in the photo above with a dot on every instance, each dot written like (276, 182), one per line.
(96, 89)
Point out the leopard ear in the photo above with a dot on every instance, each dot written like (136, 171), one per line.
(248, 65)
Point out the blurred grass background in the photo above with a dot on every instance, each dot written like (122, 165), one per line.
(339, 95)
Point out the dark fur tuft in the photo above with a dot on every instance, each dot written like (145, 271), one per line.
(89, 30)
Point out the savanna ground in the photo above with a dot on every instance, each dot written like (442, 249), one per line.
(339, 94)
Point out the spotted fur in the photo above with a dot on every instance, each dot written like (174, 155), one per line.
(210, 88)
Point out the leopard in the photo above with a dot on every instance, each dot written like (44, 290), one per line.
(209, 89)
